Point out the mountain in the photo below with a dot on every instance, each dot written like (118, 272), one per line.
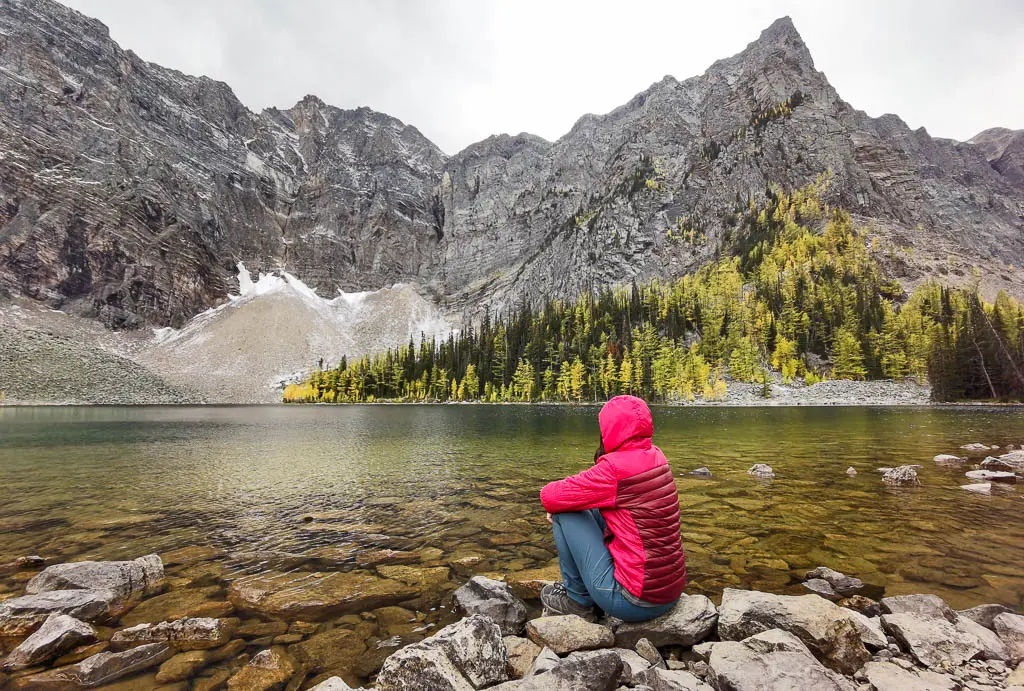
(1004, 149)
(131, 192)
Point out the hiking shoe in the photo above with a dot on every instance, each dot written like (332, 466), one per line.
(556, 601)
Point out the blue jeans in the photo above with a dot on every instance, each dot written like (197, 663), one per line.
(588, 570)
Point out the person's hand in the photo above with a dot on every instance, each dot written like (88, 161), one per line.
(548, 516)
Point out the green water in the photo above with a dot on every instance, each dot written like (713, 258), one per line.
(104, 483)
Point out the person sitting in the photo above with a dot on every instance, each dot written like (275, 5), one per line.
(616, 525)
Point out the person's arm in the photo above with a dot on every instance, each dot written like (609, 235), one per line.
(594, 488)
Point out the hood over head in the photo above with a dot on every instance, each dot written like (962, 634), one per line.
(625, 421)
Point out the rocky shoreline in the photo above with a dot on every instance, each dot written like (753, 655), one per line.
(95, 624)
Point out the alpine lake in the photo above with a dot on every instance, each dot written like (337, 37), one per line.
(398, 505)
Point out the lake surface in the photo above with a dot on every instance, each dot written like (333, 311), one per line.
(314, 489)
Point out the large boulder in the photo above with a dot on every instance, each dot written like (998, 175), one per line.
(691, 621)
(569, 633)
(869, 628)
(992, 647)
(21, 616)
(632, 665)
(482, 595)
(824, 628)
(770, 661)
(886, 676)
(985, 614)
(58, 634)
(932, 641)
(183, 634)
(928, 606)
(1010, 628)
(130, 581)
(100, 669)
(465, 655)
(315, 596)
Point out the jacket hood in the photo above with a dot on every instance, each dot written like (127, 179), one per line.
(625, 421)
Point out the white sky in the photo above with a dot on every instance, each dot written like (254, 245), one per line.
(460, 70)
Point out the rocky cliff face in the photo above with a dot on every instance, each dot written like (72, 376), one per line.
(1004, 149)
(129, 191)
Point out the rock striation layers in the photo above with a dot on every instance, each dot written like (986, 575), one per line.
(130, 191)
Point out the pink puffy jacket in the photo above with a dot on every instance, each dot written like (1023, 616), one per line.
(633, 487)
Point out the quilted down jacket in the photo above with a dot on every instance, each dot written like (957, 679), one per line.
(633, 487)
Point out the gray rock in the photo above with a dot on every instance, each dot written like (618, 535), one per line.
(885, 676)
(761, 470)
(932, 641)
(985, 614)
(991, 476)
(903, 475)
(670, 680)
(869, 628)
(632, 665)
(976, 447)
(820, 586)
(545, 662)
(992, 648)
(199, 633)
(22, 564)
(692, 620)
(58, 634)
(840, 582)
(1010, 628)
(851, 471)
(822, 626)
(568, 633)
(482, 595)
(948, 459)
(701, 472)
(421, 667)
(522, 652)
(100, 669)
(927, 606)
(332, 684)
(702, 651)
(647, 651)
(22, 615)
(978, 488)
(733, 666)
(130, 581)
(992, 463)
(597, 670)
(775, 641)
(476, 648)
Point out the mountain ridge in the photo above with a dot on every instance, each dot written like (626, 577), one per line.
(137, 189)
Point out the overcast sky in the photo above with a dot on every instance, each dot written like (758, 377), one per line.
(460, 70)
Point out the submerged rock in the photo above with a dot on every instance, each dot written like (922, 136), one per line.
(482, 595)
(528, 584)
(266, 670)
(175, 604)
(976, 447)
(569, 633)
(58, 634)
(130, 581)
(691, 621)
(183, 634)
(187, 664)
(99, 669)
(781, 662)
(762, 470)
(821, 625)
(948, 459)
(336, 649)
(21, 616)
(316, 596)
(978, 488)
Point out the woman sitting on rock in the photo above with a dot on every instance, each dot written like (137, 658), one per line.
(616, 525)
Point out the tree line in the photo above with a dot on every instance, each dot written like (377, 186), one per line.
(799, 297)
